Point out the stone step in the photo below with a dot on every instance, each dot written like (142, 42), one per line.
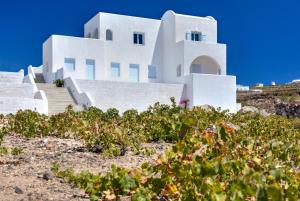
(59, 98)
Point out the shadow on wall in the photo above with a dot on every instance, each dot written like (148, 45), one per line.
(205, 65)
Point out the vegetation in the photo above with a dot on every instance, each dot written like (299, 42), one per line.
(59, 83)
(257, 159)
(216, 155)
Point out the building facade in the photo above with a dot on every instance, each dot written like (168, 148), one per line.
(178, 49)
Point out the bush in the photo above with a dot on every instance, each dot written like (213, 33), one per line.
(257, 162)
(59, 83)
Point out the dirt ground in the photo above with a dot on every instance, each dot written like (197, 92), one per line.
(28, 176)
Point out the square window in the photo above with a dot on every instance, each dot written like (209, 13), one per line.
(138, 38)
(115, 69)
(69, 64)
(151, 72)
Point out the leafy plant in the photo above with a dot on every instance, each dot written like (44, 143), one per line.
(59, 83)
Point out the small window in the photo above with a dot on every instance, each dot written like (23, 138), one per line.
(109, 34)
(115, 69)
(138, 38)
(69, 64)
(134, 72)
(178, 73)
(194, 36)
(151, 72)
(96, 34)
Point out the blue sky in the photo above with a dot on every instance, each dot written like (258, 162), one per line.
(262, 36)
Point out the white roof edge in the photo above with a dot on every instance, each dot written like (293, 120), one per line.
(129, 16)
(209, 18)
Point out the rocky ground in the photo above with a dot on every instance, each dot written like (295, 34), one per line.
(281, 100)
(28, 176)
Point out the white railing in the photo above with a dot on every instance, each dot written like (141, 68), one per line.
(82, 98)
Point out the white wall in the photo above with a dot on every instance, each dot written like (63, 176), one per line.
(122, 49)
(20, 93)
(57, 48)
(127, 95)
(186, 23)
(214, 90)
(178, 51)
(13, 104)
(12, 77)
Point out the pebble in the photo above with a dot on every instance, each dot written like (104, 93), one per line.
(18, 190)
(48, 175)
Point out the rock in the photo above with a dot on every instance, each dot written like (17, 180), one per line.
(207, 108)
(18, 190)
(264, 113)
(246, 109)
(96, 149)
(289, 110)
(48, 175)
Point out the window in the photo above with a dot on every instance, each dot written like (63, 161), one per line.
(89, 35)
(109, 34)
(115, 69)
(90, 69)
(178, 73)
(96, 34)
(134, 72)
(151, 72)
(138, 38)
(69, 64)
(196, 68)
(194, 36)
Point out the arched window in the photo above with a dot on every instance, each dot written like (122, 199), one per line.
(96, 33)
(109, 34)
(178, 70)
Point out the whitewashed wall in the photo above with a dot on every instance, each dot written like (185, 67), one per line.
(127, 95)
(13, 104)
(20, 93)
(220, 92)
(57, 48)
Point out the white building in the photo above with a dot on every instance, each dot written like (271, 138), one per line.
(132, 62)
(242, 88)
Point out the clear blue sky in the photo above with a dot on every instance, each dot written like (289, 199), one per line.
(262, 36)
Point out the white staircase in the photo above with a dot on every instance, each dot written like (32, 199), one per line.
(58, 98)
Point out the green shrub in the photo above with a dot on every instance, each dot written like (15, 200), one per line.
(59, 83)
(258, 159)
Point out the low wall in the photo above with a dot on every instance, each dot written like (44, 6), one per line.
(12, 77)
(23, 90)
(129, 95)
(12, 105)
(214, 90)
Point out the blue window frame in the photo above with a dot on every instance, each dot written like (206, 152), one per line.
(151, 72)
(139, 38)
(69, 64)
(134, 72)
(194, 36)
(115, 69)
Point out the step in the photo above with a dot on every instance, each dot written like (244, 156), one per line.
(58, 98)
